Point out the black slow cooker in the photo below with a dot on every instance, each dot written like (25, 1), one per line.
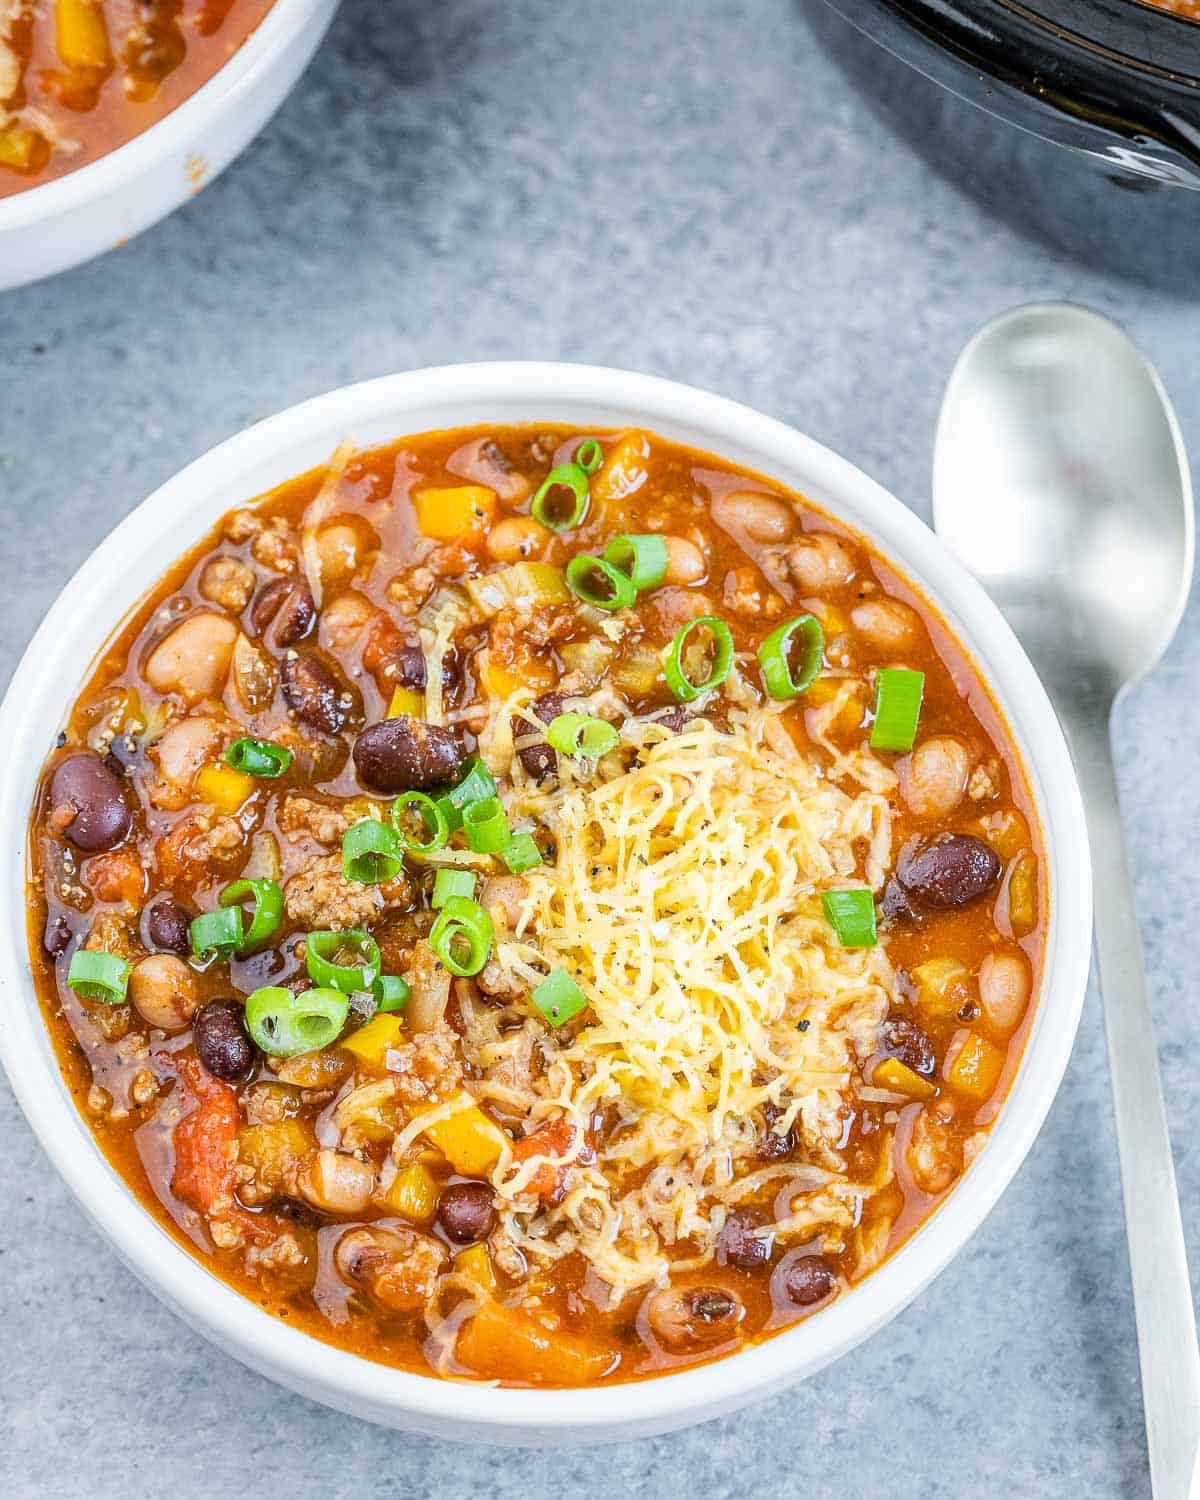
(1106, 95)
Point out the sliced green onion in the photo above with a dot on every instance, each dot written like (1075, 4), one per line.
(851, 914)
(599, 583)
(96, 975)
(582, 734)
(643, 558)
(589, 455)
(321, 948)
(372, 852)
(678, 681)
(898, 694)
(284, 1024)
(258, 758)
(773, 654)
(564, 476)
(486, 825)
(477, 783)
(558, 997)
(220, 932)
(391, 992)
(268, 909)
(462, 936)
(447, 883)
(433, 816)
(522, 853)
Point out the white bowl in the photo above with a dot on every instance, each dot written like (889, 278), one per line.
(100, 206)
(132, 559)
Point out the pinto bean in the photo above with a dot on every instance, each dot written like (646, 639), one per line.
(540, 761)
(227, 582)
(685, 561)
(820, 562)
(904, 1040)
(504, 896)
(1004, 991)
(518, 537)
(397, 755)
(313, 693)
(87, 803)
(739, 1245)
(762, 518)
(933, 778)
(934, 1155)
(466, 1212)
(809, 1279)
(693, 1317)
(219, 1031)
(949, 870)
(168, 926)
(162, 989)
(890, 625)
(289, 603)
(193, 660)
(336, 1183)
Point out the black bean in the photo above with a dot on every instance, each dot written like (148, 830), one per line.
(951, 869)
(675, 718)
(809, 1279)
(313, 692)
(905, 1041)
(87, 803)
(895, 905)
(219, 1032)
(409, 664)
(56, 938)
(290, 604)
(465, 1211)
(738, 1244)
(402, 754)
(540, 760)
(168, 926)
(712, 1305)
(772, 1145)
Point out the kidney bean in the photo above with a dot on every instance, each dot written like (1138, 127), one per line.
(219, 1032)
(168, 926)
(87, 803)
(400, 754)
(809, 1279)
(540, 760)
(313, 693)
(290, 604)
(738, 1244)
(905, 1041)
(693, 1317)
(465, 1211)
(951, 869)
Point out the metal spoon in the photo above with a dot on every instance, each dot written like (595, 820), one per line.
(1060, 479)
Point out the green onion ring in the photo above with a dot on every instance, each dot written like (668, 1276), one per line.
(581, 571)
(284, 1025)
(372, 853)
(773, 657)
(262, 758)
(391, 992)
(589, 455)
(433, 816)
(96, 975)
(462, 922)
(319, 949)
(582, 734)
(898, 695)
(447, 883)
(678, 681)
(220, 933)
(522, 854)
(567, 476)
(486, 825)
(643, 557)
(267, 913)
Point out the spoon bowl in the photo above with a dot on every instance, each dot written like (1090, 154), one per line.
(1060, 479)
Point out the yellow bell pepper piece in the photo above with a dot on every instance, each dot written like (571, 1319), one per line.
(468, 1139)
(370, 1044)
(1022, 894)
(943, 985)
(976, 1068)
(413, 1193)
(901, 1079)
(497, 679)
(225, 788)
(22, 148)
(476, 1265)
(80, 34)
(407, 701)
(624, 470)
(522, 584)
(449, 515)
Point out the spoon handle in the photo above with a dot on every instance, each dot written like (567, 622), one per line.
(1162, 1294)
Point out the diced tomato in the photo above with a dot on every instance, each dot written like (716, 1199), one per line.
(206, 1149)
(557, 1138)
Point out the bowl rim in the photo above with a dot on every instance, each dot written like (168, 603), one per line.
(178, 130)
(132, 557)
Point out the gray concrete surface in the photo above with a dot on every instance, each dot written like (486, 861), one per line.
(690, 188)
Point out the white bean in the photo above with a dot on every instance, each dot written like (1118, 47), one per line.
(1004, 985)
(162, 990)
(337, 1184)
(193, 660)
(934, 777)
(888, 624)
(685, 561)
(819, 562)
(762, 518)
